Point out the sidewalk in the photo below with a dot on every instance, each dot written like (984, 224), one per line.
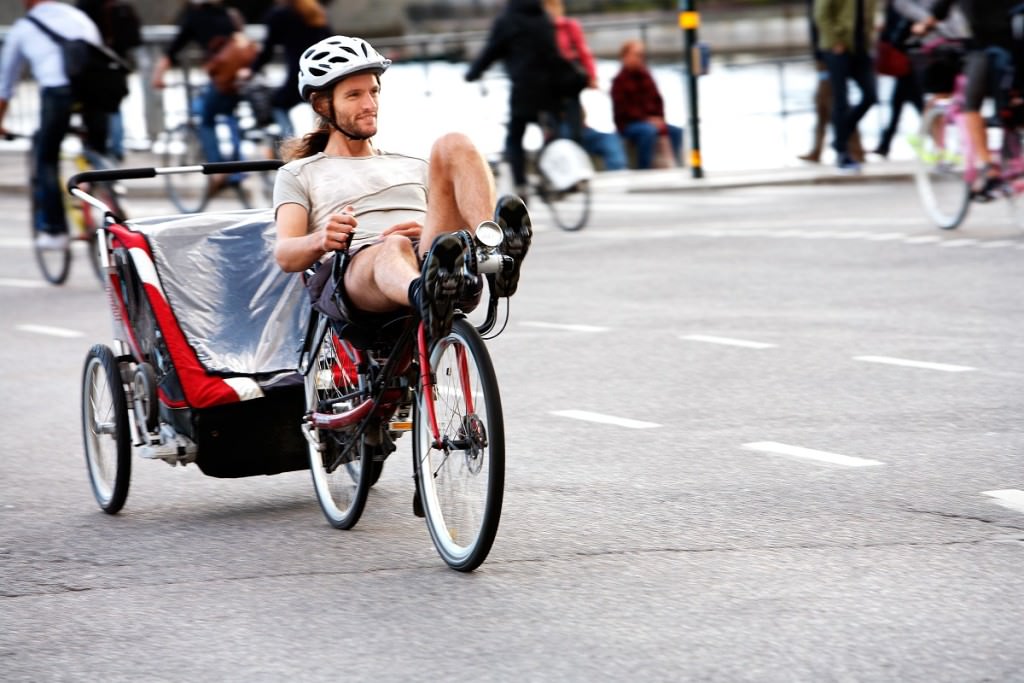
(675, 180)
(13, 177)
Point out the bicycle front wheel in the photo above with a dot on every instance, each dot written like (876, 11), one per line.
(341, 488)
(189, 192)
(941, 163)
(93, 220)
(461, 473)
(55, 264)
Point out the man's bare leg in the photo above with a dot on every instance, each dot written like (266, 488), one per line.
(377, 280)
(461, 190)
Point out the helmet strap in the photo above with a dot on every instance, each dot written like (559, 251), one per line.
(332, 119)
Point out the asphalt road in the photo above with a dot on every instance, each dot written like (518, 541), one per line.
(764, 434)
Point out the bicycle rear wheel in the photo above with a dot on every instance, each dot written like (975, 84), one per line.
(570, 208)
(341, 488)
(1012, 156)
(461, 476)
(941, 163)
(189, 192)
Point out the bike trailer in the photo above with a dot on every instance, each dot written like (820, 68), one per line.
(203, 302)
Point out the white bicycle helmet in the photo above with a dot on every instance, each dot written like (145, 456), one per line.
(335, 58)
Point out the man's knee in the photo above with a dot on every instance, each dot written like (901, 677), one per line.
(452, 146)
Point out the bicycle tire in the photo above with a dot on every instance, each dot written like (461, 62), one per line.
(340, 489)
(940, 166)
(105, 429)
(189, 192)
(1012, 157)
(569, 208)
(462, 484)
(93, 220)
(55, 264)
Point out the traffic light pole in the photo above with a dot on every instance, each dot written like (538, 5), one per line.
(689, 21)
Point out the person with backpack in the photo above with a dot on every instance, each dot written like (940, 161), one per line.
(213, 27)
(121, 30)
(28, 43)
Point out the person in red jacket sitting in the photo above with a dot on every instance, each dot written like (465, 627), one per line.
(638, 108)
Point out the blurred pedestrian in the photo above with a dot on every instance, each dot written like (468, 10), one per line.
(211, 26)
(894, 61)
(293, 25)
(523, 38)
(27, 43)
(639, 109)
(846, 39)
(823, 100)
(121, 29)
(572, 44)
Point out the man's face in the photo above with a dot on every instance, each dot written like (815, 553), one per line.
(355, 104)
(634, 57)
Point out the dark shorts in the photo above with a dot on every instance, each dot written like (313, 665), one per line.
(328, 296)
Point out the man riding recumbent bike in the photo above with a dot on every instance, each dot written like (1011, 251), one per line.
(219, 360)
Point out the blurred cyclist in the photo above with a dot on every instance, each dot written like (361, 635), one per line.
(989, 69)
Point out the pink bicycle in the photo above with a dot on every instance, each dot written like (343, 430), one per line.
(947, 163)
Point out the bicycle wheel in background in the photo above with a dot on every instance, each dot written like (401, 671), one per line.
(566, 171)
(570, 208)
(55, 264)
(340, 488)
(1012, 157)
(461, 477)
(189, 192)
(105, 429)
(941, 163)
(93, 221)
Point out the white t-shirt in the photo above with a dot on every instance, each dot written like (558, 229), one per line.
(26, 42)
(385, 189)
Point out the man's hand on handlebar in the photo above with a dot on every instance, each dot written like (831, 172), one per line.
(337, 234)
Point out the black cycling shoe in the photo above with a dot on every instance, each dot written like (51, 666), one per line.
(987, 184)
(441, 284)
(513, 218)
(472, 292)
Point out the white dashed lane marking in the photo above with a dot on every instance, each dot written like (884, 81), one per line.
(1008, 498)
(801, 453)
(565, 327)
(22, 284)
(727, 341)
(588, 416)
(944, 367)
(51, 331)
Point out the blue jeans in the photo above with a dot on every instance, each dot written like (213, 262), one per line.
(841, 69)
(211, 104)
(115, 136)
(54, 119)
(605, 146)
(644, 136)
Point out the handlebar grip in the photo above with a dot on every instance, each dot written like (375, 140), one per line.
(242, 166)
(109, 175)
